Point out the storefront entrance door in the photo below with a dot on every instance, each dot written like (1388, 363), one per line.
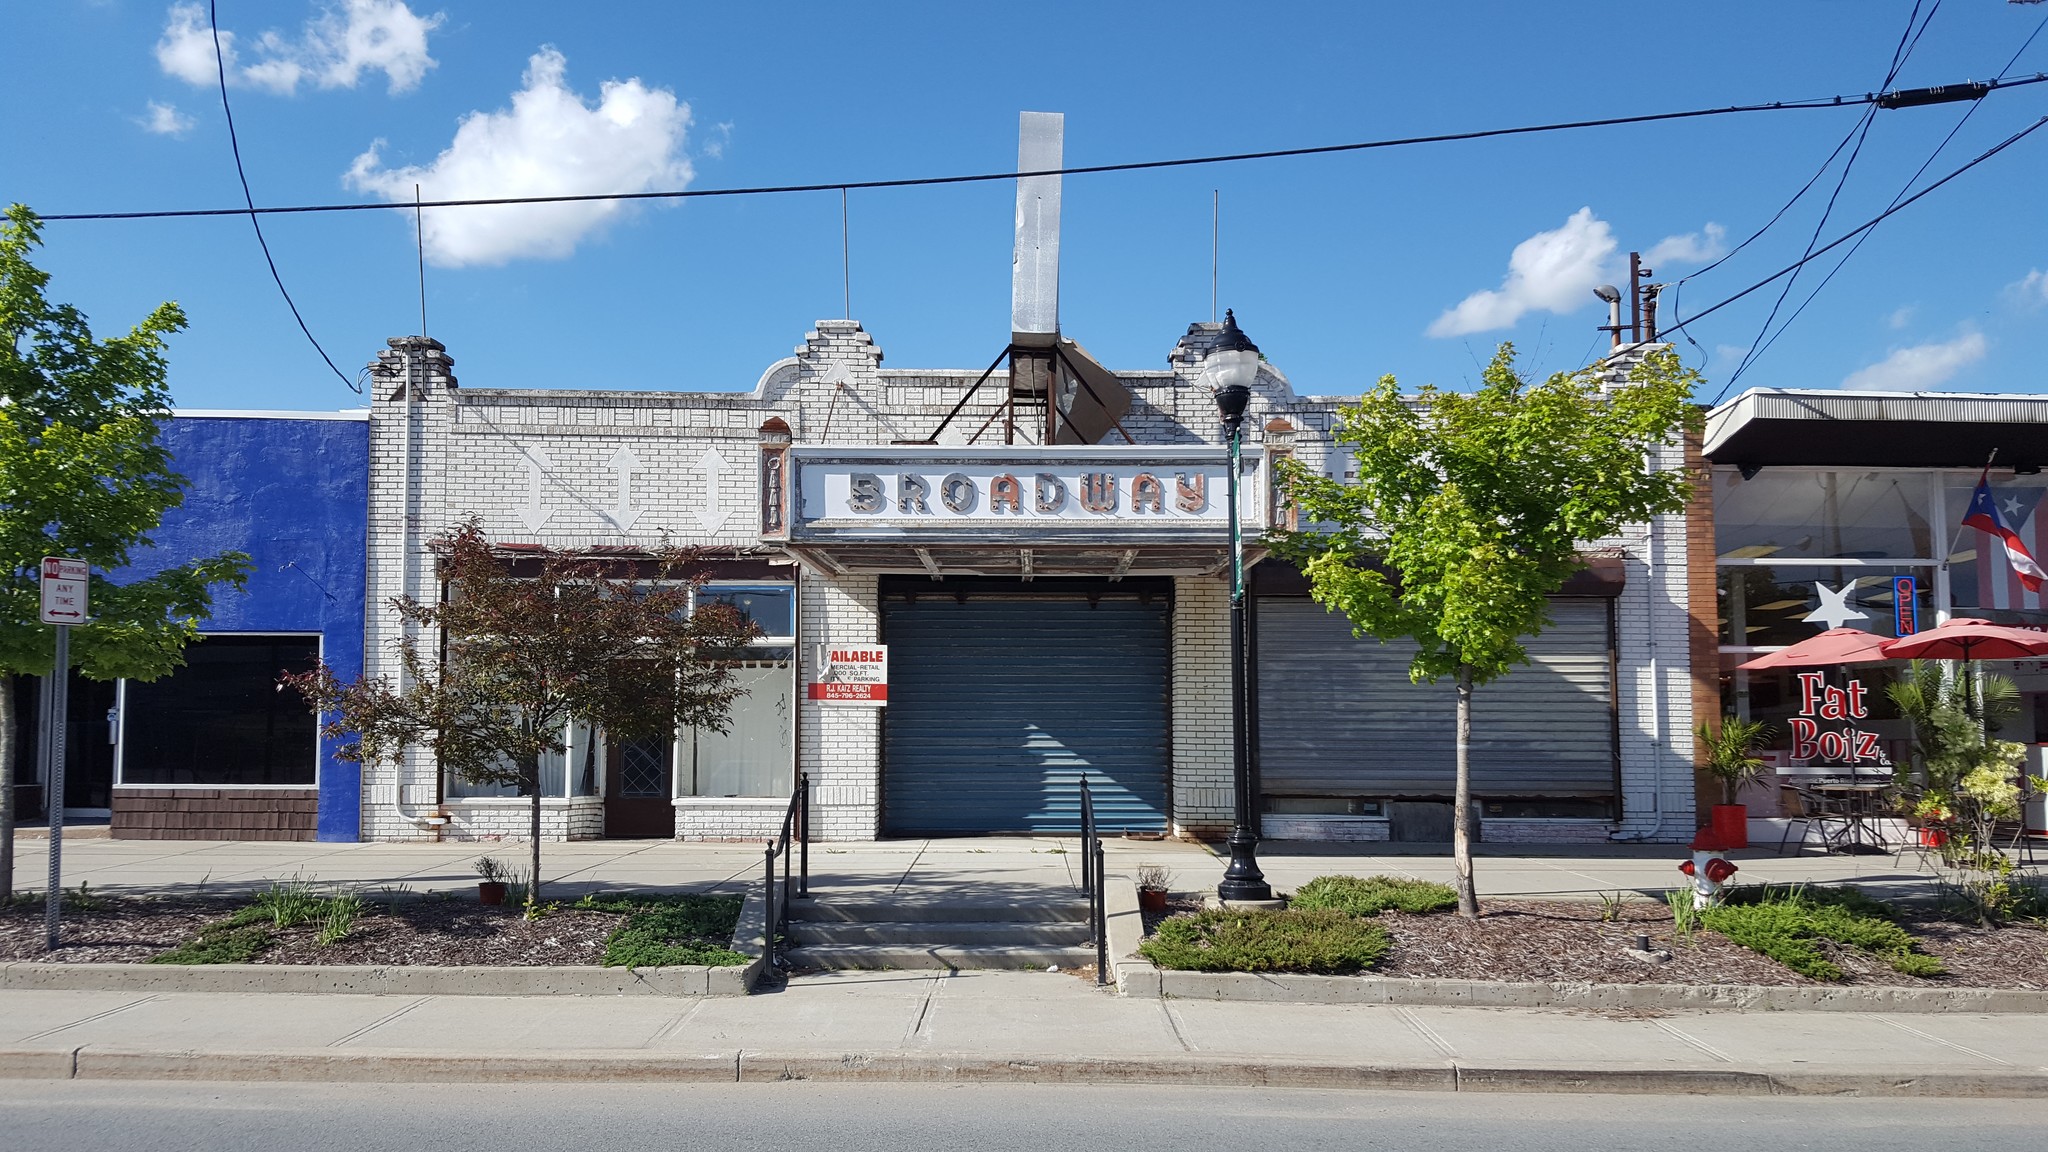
(638, 787)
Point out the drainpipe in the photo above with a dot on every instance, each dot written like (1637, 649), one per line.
(434, 820)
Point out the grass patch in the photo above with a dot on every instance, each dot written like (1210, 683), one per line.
(1372, 895)
(1787, 923)
(1320, 940)
(662, 931)
(224, 943)
(242, 936)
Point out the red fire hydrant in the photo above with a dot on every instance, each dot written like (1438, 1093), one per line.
(1708, 868)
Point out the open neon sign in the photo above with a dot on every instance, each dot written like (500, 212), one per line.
(1820, 701)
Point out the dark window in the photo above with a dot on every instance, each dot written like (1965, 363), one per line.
(773, 608)
(222, 720)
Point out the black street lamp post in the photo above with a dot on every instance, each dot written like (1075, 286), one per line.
(1232, 365)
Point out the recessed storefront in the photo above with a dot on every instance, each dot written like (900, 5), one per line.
(1004, 696)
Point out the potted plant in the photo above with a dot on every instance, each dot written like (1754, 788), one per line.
(492, 874)
(1153, 882)
(1933, 814)
(1731, 756)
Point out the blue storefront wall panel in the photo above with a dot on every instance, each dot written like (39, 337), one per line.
(291, 490)
(998, 707)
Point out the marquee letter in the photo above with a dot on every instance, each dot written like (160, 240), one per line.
(959, 493)
(1191, 495)
(1099, 491)
(1052, 494)
(1146, 489)
(910, 493)
(864, 492)
(1857, 710)
(1004, 490)
(1810, 685)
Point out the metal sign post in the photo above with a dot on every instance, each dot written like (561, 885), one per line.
(64, 586)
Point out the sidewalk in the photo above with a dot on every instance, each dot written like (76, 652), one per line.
(1015, 1026)
(876, 868)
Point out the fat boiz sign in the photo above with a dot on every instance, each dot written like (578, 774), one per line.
(853, 674)
(1824, 735)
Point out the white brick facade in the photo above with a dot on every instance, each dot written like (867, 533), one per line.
(575, 469)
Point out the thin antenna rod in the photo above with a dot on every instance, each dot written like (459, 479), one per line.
(845, 256)
(1215, 243)
(419, 239)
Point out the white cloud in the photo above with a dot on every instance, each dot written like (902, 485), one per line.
(334, 50)
(715, 146)
(1919, 368)
(1900, 317)
(1730, 353)
(1552, 271)
(548, 143)
(1699, 247)
(165, 120)
(2030, 289)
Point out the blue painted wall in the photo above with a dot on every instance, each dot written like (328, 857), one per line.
(294, 495)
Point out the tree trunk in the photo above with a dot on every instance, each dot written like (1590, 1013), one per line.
(533, 782)
(10, 752)
(1461, 819)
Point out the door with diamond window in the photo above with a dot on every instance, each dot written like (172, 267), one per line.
(638, 788)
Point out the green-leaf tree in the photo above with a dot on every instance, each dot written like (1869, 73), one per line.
(84, 472)
(533, 640)
(1471, 509)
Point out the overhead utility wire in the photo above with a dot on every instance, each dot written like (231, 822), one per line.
(1878, 98)
(1907, 187)
(1860, 229)
(1908, 40)
(220, 69)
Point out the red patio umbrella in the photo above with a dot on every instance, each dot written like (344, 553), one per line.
(1967, 638)
(1832, 647)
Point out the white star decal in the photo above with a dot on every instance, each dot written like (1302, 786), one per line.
(1834, 610)
(2014, 511)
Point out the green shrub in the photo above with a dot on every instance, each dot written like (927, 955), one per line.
(289, 903)
(1321, 940)
(1372, 895)
(339, 918)
(1784, 923)
(224, 943)
(661, 931)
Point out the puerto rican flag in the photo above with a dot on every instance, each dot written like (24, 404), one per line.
(1983, 516)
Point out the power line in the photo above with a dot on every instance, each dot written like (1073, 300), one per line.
(1859, 230)
(1908, 40)
(1847, 101)
(1907, 187)
(221, 70)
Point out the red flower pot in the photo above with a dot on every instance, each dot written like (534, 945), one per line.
(1932, 837)
(1151, 899)
(491, 892)
(1731, 825)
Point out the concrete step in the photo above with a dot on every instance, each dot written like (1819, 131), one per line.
(938, 910)
(856, 956)
(952, 933)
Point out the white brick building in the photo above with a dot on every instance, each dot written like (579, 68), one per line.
(755, 476)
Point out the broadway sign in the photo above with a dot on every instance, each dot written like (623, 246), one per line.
(913, 494)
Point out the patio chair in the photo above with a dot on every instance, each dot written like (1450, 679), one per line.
(1815, 811)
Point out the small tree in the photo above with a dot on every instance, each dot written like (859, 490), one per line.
(532, 642)
(1731, 752)
(84, 472)
(1470, 510)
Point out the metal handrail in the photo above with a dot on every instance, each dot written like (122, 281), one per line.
(1092, 883)
(796, 833)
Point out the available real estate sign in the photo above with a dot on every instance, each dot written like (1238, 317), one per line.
(852, 674)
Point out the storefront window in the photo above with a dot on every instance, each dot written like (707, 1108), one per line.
(556, 776)
(1768, 605)
(1980, 578)
(1795, 513)
(771, 606)
(221, 721)
(1776, 696)
(753, 756)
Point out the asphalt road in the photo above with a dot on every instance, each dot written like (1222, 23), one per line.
(54, 1116)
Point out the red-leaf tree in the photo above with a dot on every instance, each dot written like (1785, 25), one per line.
(531, 640)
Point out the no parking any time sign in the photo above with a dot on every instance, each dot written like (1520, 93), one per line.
(64, 585)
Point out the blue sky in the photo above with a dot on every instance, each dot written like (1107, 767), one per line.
(1341, 267)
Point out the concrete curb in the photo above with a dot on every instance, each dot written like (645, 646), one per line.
(331, 1066)
(1302, 989)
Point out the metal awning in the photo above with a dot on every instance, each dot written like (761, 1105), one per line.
(943, 561)
(1782, 426)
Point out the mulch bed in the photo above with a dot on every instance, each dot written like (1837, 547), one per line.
(427, 931)
(1566, 941)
